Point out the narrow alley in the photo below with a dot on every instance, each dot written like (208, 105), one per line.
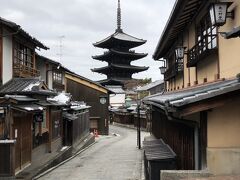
(113, 157)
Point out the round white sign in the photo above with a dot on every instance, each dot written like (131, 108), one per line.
(103, 100)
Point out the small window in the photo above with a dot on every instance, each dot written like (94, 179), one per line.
(23, 55)
(57, 77)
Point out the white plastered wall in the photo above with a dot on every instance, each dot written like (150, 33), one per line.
(7, 58)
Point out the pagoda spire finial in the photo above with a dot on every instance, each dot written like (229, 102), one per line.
(119, 17)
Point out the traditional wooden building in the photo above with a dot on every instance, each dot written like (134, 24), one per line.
(76, 124)
(198, 115)
(17, 57)
(94, 95)
(51, 72)
(29, 123)
(150, 89)
(119, 56)
(31, 120)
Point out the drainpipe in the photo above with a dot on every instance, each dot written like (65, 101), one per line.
(196, 148)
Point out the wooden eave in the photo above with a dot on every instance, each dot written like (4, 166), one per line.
(112, 40)
(111, 81)
(181, 16)
(129, 56)
(128, 68)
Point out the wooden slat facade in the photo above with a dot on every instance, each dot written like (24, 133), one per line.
(22, 133)
(178, 136)
(91, 96)
(75, 130)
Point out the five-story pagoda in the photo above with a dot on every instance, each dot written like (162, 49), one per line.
(119, 56)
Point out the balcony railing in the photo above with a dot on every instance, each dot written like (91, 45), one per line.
(20, 70)
(205, 47)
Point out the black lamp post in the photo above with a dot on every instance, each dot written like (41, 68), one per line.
(139, 126)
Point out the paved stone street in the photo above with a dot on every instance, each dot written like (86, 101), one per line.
(113, 157)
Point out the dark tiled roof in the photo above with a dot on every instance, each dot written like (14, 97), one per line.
(150, 85)
(128, 68)
(191, 95)
(129, 56)
(116, 89)
(20, 31)
(24, 86)
(29, 107)
(119, 37)
(21, 98)
(111, 81)
(232, 34)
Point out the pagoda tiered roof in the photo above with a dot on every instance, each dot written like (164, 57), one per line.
(112, 81)
(119, 55)
(120, 67)
(128, 56)
(119, 39)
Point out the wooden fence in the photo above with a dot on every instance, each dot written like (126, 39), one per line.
(81, 126)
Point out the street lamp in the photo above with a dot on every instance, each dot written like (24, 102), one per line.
(218, 13)
(163, 69)
(179, 51)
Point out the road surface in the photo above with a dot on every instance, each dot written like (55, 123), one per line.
(113, 157)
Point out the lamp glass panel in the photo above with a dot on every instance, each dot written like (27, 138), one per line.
(212, 15)
(180, 53)
(162, 69)
(220, 13)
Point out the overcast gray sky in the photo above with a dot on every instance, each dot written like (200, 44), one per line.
(83, 22)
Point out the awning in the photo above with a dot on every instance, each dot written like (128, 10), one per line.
(29, 108)
(172, 101)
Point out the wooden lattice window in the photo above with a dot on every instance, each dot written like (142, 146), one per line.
(23, 55)
(206, 34)
(57, 77)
